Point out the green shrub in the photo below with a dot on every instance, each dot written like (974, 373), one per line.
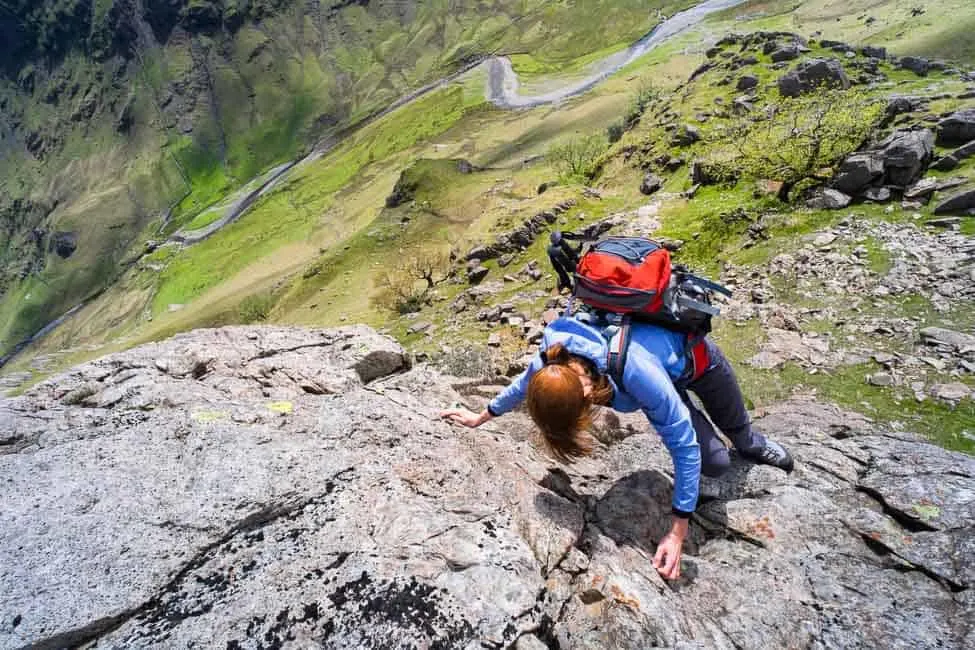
(645, 95)
(801, 139)
(255, 308)
(577, 159)
(614, 132)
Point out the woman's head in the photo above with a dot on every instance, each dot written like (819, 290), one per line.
(560, 400)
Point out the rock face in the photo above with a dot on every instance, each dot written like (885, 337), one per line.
(962, 202)
(64, 244)
(813, 74)
(957, 128)
(858, 171)
(269, 487)
(651, 183)
(898, 160)
(905, 155)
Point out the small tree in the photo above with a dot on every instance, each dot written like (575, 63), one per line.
(406, 286)
(803, 138)
(577, 159)
(646, 94)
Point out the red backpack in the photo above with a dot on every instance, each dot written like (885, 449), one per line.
(633, 276)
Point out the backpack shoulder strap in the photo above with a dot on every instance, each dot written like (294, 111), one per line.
(619, 344)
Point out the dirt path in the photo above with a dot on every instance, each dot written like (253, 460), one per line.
(502, 86)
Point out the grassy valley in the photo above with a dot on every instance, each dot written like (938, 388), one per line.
(313, 250)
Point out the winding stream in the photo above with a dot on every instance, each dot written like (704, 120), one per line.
(501, 89)
(502, 85)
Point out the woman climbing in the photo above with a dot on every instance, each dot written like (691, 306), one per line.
(572, 374)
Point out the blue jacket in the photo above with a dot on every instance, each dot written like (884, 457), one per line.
(655, 359)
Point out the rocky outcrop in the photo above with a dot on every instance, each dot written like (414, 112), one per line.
(811, 75)
(952, 160)
(906, 154)
(858, 171)
(897, 161)
(63, 243)
(521, 237)
(257, 487)
(958, 128)
(961, 202)
(651, 183)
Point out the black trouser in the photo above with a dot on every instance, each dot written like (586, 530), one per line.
(721, 397)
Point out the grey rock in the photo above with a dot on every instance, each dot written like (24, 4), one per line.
(905, 155)
(953, 392)
(747, 82)
(785, 54)
(877, 194)
(477, 274)
(64, 244)
(811, 75)
(686, 136)
(962, 202)
(419, 327)
(958, 128)
(242, 509)
(858, 171)
(953, 159)
(947, 337)
(829, 199)
(930, 185)
(874, 52)
(918, 65)
(651, 183)
(880, 379)
(900, 104)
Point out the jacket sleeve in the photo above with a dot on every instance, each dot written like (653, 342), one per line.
(650, 385)
(514, 394)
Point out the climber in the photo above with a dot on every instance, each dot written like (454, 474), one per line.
(573, 372)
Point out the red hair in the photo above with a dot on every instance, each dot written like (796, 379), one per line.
(558, 406)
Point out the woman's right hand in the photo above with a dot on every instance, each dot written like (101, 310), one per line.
(466, 417)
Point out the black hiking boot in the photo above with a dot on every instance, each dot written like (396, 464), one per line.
(773, 454)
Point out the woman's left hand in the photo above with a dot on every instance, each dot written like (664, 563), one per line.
(667, 559)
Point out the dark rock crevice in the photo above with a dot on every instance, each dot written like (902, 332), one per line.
(909, 522)
(248, 525)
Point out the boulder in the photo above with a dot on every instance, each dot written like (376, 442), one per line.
(280, 501)
(874, 52)
(829, 199)
(947, 337)
(686, 136)
(906, 154)
(918, 65)
(477, 273)
(953, 392)
(858, 171)
(811, 75)
(787, 53)
(962, 202)
(64, 244)
(952, 160)
(747, 82)
(742, 105)
(958, 128)
(928, 186)
(651, 183)
(877, 194)
(900, 104)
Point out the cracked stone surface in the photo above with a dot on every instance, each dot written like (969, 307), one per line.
(276, 487)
